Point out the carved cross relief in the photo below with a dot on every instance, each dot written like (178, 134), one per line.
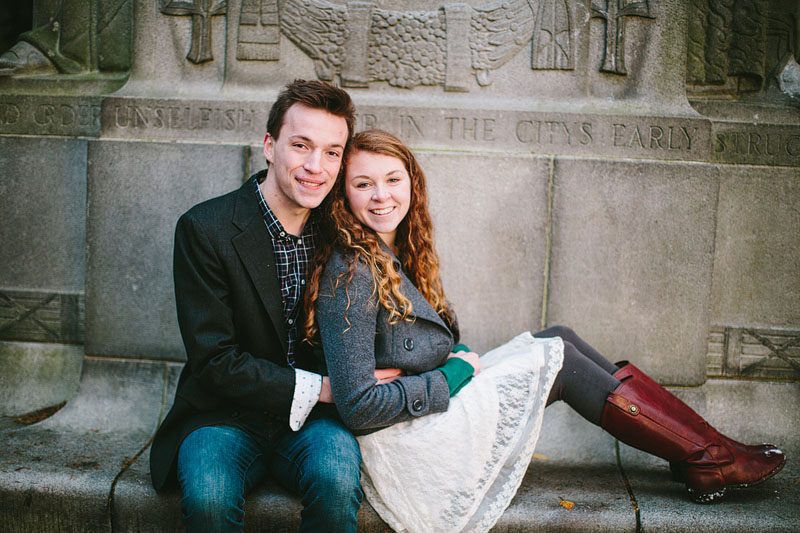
(363, 43)
(201, 12)
(614, 13)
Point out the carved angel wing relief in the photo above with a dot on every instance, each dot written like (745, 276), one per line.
(318, 28)
(499, 31)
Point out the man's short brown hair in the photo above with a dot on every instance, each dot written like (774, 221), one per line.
(316, 95)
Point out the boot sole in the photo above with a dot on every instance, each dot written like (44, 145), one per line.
(716, 496)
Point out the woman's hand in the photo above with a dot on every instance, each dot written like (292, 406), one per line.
(383, 375)
(387, 375)
(471, 358)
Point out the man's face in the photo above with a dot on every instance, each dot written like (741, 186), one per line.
(304, 160)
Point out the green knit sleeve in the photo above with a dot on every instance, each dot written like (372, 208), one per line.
(457, 373)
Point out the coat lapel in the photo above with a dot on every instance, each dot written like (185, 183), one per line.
(420, 308)
(254, 247)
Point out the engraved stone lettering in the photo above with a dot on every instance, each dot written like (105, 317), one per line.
(186, 118)
(656, 134)
(201, 12)
(488, 129)
(618, 131)
(470, 129)
(586, 133)
(793, 145)
(763, 144)
(524, 131)
(9, 113)
(669, 138)
(44, 114)
(554, 132)
(409, 127)
(139, 120)
(89, 115)
(636, 138)
(614, 14)
(366, 121)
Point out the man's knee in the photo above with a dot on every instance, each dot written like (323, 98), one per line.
(211, 507)
(331, 473)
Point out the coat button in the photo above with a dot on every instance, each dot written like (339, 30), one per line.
(408, 344)
(417, 405)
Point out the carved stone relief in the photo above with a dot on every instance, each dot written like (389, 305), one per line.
(259, 31)
(753, 352)
(363, 43)
(553, 43)
(74, 37)
(201, 12)
(42, 316)
(740, 46)
(615, 13)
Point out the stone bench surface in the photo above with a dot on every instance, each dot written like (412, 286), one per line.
(86, 468)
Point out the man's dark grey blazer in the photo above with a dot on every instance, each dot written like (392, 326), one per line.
(232, 323)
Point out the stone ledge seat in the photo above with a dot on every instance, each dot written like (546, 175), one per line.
(86, 468)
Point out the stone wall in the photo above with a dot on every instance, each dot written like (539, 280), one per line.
(630, 168)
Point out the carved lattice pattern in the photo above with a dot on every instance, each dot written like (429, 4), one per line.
(753, 353)
(42, 316)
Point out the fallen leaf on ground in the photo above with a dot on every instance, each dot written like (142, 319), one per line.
(41, 414)
(566, 504)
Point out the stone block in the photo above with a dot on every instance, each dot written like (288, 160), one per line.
(35, 376)
(757, 256)
(633, 246)
(137, 191)
(43, 220)
(490, 219)
(57, 475)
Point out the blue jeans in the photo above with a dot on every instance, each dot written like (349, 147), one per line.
(321, 463)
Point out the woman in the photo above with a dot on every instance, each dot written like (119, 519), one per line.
(376, 301)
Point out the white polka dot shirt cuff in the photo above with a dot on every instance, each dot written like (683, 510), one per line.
(307, 386)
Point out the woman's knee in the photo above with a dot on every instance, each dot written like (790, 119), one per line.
(566, 333)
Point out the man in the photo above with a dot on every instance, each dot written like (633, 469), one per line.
(248, 403)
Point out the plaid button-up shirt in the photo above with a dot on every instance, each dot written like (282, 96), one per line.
(292, 257)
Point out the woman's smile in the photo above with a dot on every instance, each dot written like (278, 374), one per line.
(378, 190)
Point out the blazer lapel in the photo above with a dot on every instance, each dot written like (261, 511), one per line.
(254, 247)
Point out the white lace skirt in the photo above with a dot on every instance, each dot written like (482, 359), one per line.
(459, 470)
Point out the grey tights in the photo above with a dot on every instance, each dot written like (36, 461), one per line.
(585, 378)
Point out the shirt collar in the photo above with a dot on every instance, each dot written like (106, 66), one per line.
(274, 225)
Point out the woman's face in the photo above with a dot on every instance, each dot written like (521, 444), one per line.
(378, 189)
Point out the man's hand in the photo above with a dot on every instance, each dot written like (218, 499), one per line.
(471, 358)
(386, 375)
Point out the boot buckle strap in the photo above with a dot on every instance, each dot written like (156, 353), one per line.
(624, 404)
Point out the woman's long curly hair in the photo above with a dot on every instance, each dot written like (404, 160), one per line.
(413, 241)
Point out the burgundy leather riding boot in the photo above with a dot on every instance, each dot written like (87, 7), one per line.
(643, 414)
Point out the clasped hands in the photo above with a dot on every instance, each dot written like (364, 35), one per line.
(387, 375)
